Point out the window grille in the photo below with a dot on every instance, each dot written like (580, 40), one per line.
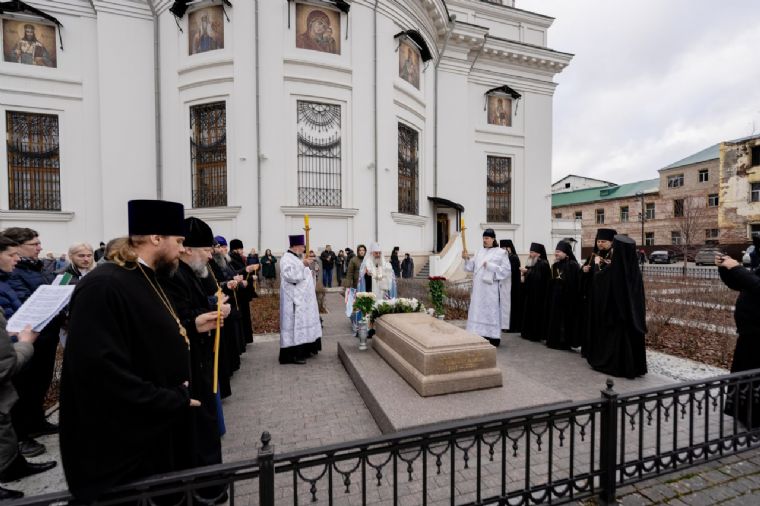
(208, 154)
(319, 155)
(499, 189)
(34, 164)
(408, 170)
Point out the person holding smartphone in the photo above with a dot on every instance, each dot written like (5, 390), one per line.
(747, 351)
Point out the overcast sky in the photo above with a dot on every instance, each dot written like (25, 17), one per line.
(652, 81)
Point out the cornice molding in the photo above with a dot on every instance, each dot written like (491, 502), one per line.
(213, 213)
(330, 212)
(48, 216)
(499, 226)
(409, 219)
(139, 10)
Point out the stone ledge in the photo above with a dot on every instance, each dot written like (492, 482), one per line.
(396, 406)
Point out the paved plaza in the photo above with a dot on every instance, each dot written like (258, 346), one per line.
(317, 404)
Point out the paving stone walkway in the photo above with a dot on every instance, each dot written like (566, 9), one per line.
(316, 404)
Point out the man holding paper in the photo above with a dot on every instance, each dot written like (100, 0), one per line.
(33, 382)
(125, 400)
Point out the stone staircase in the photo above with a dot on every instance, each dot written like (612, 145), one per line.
(424, 272)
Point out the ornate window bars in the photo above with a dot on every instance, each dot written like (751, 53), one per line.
(408, 170)
(499, 188)
(34, 164)
(319, 155)
(208, 154)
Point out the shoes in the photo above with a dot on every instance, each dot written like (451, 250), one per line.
(44, 429)
(7, 494)
(21, 468)
(30, 448)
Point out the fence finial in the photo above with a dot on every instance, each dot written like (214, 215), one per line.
(266, 438)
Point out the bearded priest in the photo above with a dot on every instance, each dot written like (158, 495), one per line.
(489, 267)
(376, 274)
(300, 328)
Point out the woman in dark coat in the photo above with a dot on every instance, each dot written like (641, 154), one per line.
(268, 269)
(395, 263)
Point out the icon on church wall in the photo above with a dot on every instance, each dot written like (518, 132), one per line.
(206, 29)
(317, 29)
(29, 43)
(499, 110)
(409, 63)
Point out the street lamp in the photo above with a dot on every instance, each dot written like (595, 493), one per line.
(642, 216)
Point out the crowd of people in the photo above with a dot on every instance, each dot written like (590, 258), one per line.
(159, 319)
(596, 308)
(152, 335)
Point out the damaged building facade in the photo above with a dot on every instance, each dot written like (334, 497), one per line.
(739, 217)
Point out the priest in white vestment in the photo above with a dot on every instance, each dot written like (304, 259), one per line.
(300, 327)
(380, 278)
(489, 266)
(505, 290)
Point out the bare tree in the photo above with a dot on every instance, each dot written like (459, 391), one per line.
(691, 219)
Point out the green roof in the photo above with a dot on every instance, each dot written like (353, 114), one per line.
(710, 153)
(605, 193)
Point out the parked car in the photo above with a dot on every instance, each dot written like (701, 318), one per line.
(746, 260)
(664, 257)
(706, 255)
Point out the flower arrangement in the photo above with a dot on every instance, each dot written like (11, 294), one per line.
(400, 305)
(364, 302)
(437, 293)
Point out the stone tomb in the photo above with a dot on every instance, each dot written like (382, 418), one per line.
(435, 357)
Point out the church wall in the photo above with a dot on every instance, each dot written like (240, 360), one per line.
(104, 93)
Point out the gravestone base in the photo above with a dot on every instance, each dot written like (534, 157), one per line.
(435, 357)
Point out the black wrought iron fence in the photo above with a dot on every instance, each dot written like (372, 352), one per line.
(561, 454)
(676, 271)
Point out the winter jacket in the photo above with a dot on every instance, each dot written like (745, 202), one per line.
(27, 276)
(8, 298)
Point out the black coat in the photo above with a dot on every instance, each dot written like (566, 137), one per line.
(189, 297)
(124, 410)
(617, 315)
(747, 351)
(536, 286)
(564, 330)
(516, 296)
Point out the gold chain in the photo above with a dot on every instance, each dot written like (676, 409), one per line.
(167, 304)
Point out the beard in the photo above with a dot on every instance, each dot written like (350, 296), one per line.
(30, 38)
(378, 262)
(166, 266)
(531, 261)
(199, 267)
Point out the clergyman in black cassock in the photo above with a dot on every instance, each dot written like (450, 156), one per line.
(597, 261)
(186, 289)
(564, 302)
(618, 314)
(125, 404)
(516, 294)
(537, 275)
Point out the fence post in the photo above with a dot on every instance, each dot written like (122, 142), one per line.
(608, 446)
(266, 471)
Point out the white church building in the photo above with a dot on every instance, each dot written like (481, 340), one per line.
(384, 120)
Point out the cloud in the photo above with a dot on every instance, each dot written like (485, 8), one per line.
(652, 82)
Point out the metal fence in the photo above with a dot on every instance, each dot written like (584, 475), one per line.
(562, 454)
(677, 271)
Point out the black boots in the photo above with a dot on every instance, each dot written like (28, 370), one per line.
(7, 494)
(21, 468)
